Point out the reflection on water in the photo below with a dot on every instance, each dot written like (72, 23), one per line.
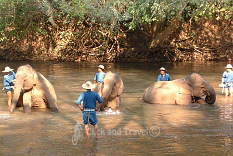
(139, 129)
(226, 112)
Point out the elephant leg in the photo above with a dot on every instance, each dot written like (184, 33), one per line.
(27, 102)
(114, 103)
(38, 99)
(183, 99)
(20, 101)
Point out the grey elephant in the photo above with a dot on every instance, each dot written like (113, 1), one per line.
(181, 91)
(32, 89)
(110, 90)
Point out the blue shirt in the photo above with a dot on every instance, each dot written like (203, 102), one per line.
(89, 99)
(164, 78)
(228, 76)
(99, 77)
(8, 79)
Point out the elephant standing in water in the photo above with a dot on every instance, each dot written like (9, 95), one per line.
(180, 91)
(32, 89)
(110, 90)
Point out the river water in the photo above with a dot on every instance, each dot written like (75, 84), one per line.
(140, 128)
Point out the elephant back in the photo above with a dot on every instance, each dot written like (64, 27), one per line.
(160, 91)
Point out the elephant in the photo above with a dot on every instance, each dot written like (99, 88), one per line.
(32, 89)
(181, 91)
(110, 90)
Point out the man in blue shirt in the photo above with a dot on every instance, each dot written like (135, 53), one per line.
(163, 76)
(99, 77)
(89, 107)
(8, 83)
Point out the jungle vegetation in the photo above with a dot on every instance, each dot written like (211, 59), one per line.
(116, 30)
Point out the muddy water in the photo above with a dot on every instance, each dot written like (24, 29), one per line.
(140, 128)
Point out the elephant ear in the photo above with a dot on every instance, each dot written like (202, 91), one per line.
(49, 91)
(121, 86)
(186, 89)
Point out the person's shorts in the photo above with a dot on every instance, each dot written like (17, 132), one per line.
(92, 119)
(228, 85)
(7, 90)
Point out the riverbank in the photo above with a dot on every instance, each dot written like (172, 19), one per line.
(206, 40)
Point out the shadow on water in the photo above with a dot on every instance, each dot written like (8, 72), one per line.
(140, 128)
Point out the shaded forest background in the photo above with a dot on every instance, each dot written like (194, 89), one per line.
(116, 30)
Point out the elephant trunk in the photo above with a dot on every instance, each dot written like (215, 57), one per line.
(106, 92)
(17, 90)
(104, 104)
(210, 94)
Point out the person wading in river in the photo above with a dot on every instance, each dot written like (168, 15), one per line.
(227, 78)
(99, 76)
(89, 107)
(9, 79)
(163, 76)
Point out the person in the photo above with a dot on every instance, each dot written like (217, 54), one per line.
(9, 78)
(163, 76)
(99, 77)
(227, 78)
(89, 107)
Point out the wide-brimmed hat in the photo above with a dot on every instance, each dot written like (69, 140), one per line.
(229, 66)
(87, 85)
(101, 66)
(162, 68)
(7, 69)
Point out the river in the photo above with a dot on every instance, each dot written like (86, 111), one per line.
(140, 128)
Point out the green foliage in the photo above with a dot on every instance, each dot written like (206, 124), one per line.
(210, 9)
(106, 13)
(3, 37)
(17, 17)
(147, 11)
(35, 15)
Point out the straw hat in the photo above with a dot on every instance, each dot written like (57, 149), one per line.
(87, 85)
(229, 66)
(101, 66)
(162, 68)
(7, 69)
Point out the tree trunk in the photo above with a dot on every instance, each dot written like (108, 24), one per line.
(159, 37)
